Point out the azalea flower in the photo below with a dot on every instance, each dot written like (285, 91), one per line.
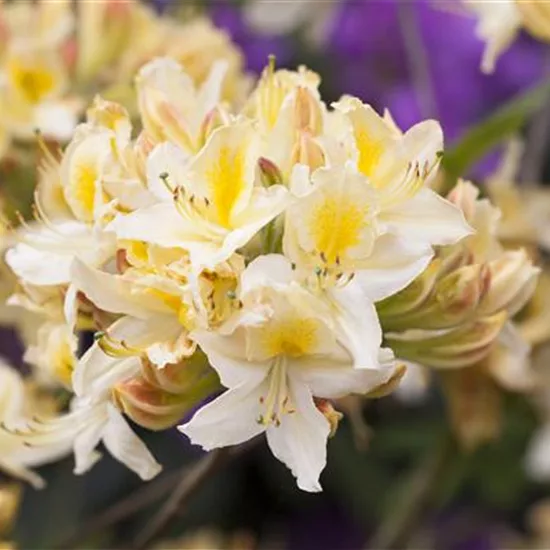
(276, 356)
(216, 205)
(372, 216)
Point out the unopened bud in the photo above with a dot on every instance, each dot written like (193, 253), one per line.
(216, 118)
(513, 282)
(410, 298)
(454, 348)
(270, 174)
(121, 258)
(109, 114)
(464, 195)
(333, 417)
(143, 147)
(307, 151)
(177, 378)
(307, 112)
(159, 109)
(155, 408)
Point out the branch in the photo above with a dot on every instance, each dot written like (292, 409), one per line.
(124, 508)
(188, 485)
(417, 495)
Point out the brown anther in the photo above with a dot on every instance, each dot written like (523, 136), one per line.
(323, 257)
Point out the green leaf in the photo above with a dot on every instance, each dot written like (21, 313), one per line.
(484, 137)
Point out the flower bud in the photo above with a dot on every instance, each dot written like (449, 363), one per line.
(464, 195)
(307, 151)
(216, 118)
(177, 378)
(111, 115)
(270, 174)
(455, 348)
(102, 30)
(155, 408)
(453, 300)
(161, 111)
(410, 298)
(143, 147)
(513, 281)
(308, 116)
(149, 406)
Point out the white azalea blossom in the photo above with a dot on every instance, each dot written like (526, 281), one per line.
(280, 353)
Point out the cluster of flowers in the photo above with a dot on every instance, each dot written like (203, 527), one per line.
(55, 56)
(237, 253)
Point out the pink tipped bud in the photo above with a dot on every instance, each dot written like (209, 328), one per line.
(307, 151)
(148, 405)
(513, 282)
(269, 172)
(307, 112)
(216, 118)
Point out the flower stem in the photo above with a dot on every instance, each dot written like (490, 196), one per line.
(416, 497)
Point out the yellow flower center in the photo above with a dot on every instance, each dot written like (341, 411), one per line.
(291, 337)
(82, 188)
(370, 152)
(227, 182)
(63, 363)
(32, 82)
(336, 227)
(276, 402)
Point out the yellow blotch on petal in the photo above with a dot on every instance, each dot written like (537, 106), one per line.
(292, 337)
(32, 82)
(83, 187)
(173, 302)
(369, 151)
(227, 183)
(64, 363)
(336, 227)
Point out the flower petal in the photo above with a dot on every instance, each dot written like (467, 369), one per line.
(393, 264)
(158, 224)
(300, 441)
(126, 447)
(227, 354)
(229, 420)
(357, 325)
(427, 218)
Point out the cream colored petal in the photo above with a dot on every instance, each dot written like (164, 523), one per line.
(426, 218)
(300, 441)
(228, 420)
